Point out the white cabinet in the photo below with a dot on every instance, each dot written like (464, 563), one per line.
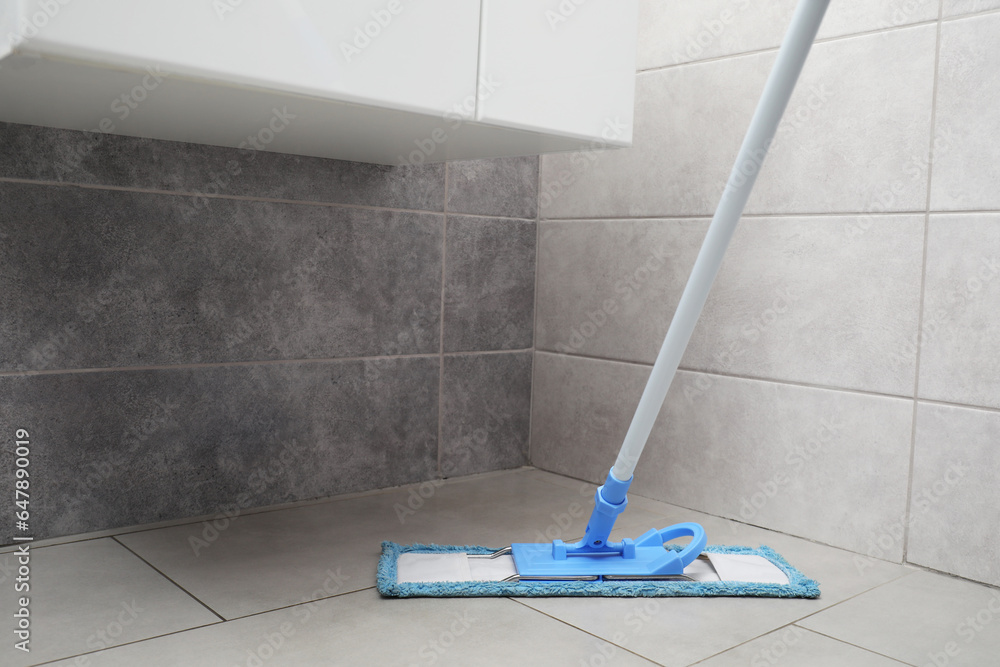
(384, 81)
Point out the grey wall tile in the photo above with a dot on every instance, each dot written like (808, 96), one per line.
(609, 288)
(851, 141)
(826, 465)
(125, 448)
(489, 284)
(49, 154)
(960, 342)
(828, 300)
(504, 187)
(956, 7)
(955, 499)
(675, 31)
(98, 278)
(485, 409)
(967, 126)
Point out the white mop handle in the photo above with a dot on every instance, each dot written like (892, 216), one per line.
(763, 126)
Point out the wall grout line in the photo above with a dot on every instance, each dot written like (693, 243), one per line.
(774, 49)
(534, 315)
(260, 362)
(248, 198)
(736, 376)
(767, 216)
(444, 260)
(923, 291)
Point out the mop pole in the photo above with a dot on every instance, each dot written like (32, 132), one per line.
(763, 127)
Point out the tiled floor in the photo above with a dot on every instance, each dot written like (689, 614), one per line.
(294, 586)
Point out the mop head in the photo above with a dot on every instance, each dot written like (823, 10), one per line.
(430, 570)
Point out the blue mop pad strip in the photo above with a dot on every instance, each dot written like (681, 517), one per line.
(798, 586)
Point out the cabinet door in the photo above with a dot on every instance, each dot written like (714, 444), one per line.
(564, 67)
(396, 54)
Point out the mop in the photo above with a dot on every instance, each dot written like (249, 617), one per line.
(649, 565)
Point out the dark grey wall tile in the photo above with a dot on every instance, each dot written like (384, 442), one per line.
(489, 284)
(125, 448)
(42, 153)
(485, 410)
(97, 278)
(504, 186)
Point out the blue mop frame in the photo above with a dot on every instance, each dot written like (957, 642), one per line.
(798, 586)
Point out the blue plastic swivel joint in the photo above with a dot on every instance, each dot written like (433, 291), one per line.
(610, 500)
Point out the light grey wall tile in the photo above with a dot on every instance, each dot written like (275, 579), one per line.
(609, 288)
(485, 410)
(960, 341)
(69, 156)
(125, 448)
(854, 138)
(828, 300)
(505, 187)
(99, 278)
(826, 465)
(955, 499)
(679, 31)
(956, 7)
(489, 284)
(967, 126)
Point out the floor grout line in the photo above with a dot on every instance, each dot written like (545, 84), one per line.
(164, 575)
(586, 632)
(264, 509)
(868, 650)
(75, 657)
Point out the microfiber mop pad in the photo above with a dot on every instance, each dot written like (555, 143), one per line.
(389, 584)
